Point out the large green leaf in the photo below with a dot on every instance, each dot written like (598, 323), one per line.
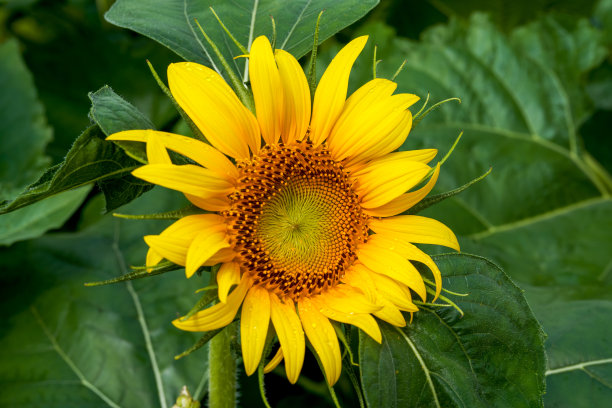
(90, 159)
(36, 219)
(545, 213)
(491, 357)
(23, 125)
(65, 344)
(171, 22)
(578, 345)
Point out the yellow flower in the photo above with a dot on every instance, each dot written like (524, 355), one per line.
(306, 225)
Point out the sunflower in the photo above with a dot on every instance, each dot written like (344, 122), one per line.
(304, 226)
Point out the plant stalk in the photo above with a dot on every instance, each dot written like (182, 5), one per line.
(222, 372)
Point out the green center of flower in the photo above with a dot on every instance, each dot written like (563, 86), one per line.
(295, 219)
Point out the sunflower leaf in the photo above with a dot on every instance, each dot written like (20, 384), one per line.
(545, 214)
(429, 201)
(22, 124)
(65, 343)
(90, 159)
(294, 20)
(492, 357)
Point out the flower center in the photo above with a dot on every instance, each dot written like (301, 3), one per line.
(295, 219)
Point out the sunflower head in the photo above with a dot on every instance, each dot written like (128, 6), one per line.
(302, 202)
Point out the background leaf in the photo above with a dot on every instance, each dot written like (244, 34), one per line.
(90, 159)
(545, 213)
(23, 126)
(90, 347)
(295, 22)
(492, 357)
(35, 220)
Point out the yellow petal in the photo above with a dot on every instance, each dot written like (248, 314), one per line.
(215, 203)
(296, 107)
(219, 315)
(267, 90)
(290, 335)
(405, 201)
(173, 243)
(214, 108)
(348, 299)
(362, 320)
(200, 152)
(408, 251)
(387, 181)
(227, 276)
(203, 247)
(254, 326)
(358, 276)
(397, 293)
(417, 229)
(278, 357)
(221, 256)
(331, 92)
(386, 144)
(153, 258)
(390, 314)
(388, 262)
(187, 178)
(323, 338)
(422, 156)
(157, 153)
(369, 123)
(362, 277)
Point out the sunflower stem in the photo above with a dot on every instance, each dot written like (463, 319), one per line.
(194, 129)
(420, 116)
(446, 156)
(138, 273)
(241, 47)
(374, 63)
(222, 372)
(422, 107)
(239, 87)
(168, 215)
(273, 33)
(260, 370)
(312, 68)
(348, 369)
(443, 196)
(431, 283)
(401, 67)
(444, 298)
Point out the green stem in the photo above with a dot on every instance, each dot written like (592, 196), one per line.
(222, 372)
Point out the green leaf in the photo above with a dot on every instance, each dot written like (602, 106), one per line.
(492, 357)
(23, 125)
(35, 220)
(171, 22)
(90, 159)
(65, 344)
(114, 114)
(508, 15)
(545, 213)
(580, 367)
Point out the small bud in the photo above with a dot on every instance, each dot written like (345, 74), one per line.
(185, 400)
